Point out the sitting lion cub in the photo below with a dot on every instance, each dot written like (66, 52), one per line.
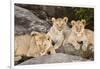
(56, 32)
(34, 45)
(80, 34)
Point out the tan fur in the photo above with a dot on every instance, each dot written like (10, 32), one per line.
(33, 45)
(79, 33)
(56, 32)
(22, 44)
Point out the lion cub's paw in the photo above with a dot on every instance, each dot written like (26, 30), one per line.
(77, 47)
(84, 48)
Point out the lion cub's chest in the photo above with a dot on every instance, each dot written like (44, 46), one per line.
(57, 35)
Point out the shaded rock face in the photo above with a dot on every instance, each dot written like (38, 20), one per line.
(26, 21)
(69, 49)
(55, 58)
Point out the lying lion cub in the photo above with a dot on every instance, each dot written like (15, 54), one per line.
(80, 34)
(34, 45)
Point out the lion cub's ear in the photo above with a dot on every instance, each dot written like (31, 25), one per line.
(65, 19)
(34, 33)
(73, 22)
(53, 19)
(83, 21)
(78, 21)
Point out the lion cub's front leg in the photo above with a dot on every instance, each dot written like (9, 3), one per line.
(76, 45)
(52, 50)
(85, 45)
(59, 42)
(74, 42)
(17, 58)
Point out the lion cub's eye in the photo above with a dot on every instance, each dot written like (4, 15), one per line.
(57, 24)
(81, 26)
(48, 38)
(45, 44)
(62, 23)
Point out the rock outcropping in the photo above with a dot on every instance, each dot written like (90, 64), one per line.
(26, 21)
(55, 58)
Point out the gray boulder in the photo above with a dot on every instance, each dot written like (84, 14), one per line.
(56, 58)
(26, 21)
(69, 49)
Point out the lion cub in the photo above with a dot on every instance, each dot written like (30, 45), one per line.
(80, 34)
(34, 45)
(56, 32)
